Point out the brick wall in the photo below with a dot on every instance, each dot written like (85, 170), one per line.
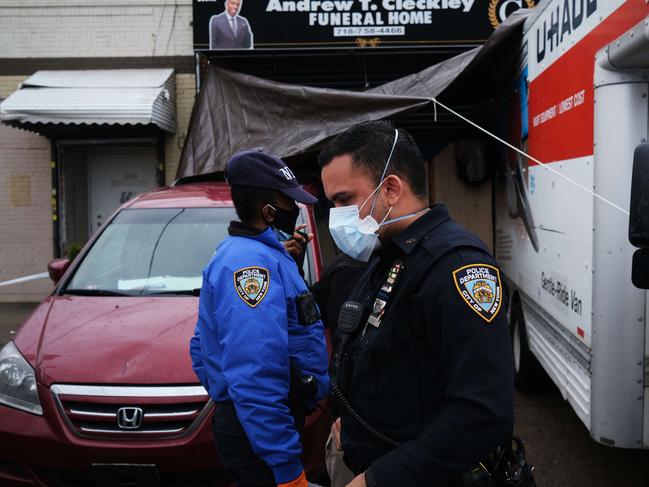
(95, 28)
(26, 244)
(185, 93)
(9, 84)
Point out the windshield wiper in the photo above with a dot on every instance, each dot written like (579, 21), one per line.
(94, 292)
(183, 292)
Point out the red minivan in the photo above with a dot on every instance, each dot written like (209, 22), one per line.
(97, 387)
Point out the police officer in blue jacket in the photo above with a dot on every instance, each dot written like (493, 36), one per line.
(259, 337)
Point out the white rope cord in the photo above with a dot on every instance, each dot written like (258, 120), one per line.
(18, 280)
(524, 154)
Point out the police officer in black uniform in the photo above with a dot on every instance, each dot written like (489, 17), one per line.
(427, 371)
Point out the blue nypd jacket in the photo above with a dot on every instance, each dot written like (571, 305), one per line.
(247, 338)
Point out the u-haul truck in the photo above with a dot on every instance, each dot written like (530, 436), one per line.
(581, 107)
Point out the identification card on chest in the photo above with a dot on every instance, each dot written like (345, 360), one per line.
(384, 295)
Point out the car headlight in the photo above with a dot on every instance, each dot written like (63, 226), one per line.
(18, 381)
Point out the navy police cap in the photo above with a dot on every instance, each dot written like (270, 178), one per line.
(261, 170)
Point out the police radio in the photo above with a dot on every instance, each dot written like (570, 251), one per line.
(350, 321)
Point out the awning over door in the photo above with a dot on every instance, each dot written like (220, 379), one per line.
(236, 111)
(103, 97)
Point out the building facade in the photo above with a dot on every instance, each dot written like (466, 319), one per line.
(96, 98)
(63, 173)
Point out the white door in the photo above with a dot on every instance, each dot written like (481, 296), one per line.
(115, 178)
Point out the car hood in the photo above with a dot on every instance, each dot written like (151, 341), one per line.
(116, 340)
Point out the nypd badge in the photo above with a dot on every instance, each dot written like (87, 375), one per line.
(252, 284)
(480, 288)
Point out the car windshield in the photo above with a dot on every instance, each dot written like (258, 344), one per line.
(152, 251)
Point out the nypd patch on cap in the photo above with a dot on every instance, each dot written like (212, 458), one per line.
(261, 170)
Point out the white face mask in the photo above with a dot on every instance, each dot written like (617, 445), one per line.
(353, 236)
(357, 237)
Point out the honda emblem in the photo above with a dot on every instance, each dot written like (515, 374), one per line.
(129, 418)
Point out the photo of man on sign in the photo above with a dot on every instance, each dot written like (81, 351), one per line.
(228, 30)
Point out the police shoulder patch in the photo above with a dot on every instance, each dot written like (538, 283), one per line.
(252, 284)
(480, 288)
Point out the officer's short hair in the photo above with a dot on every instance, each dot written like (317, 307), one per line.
(248, 199)
(369, 144)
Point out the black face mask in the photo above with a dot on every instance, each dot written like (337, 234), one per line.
(285, 220)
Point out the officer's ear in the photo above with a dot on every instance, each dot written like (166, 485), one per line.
(268, 213)
(394, 187)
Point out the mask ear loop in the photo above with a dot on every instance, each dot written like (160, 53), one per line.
(385, 170)
(386, 216)
(273, 208)
(370, 196)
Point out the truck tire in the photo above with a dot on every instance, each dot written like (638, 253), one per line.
(529, 376)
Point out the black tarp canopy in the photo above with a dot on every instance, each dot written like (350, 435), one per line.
(235, 111)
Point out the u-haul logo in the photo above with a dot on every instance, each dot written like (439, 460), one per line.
(562, 24)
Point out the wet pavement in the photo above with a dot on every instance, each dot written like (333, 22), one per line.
(564, 454)
(557, 442)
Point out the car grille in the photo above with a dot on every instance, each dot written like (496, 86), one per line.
(131, 412)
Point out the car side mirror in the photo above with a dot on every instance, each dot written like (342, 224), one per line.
(639, 217)
(56, 268)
